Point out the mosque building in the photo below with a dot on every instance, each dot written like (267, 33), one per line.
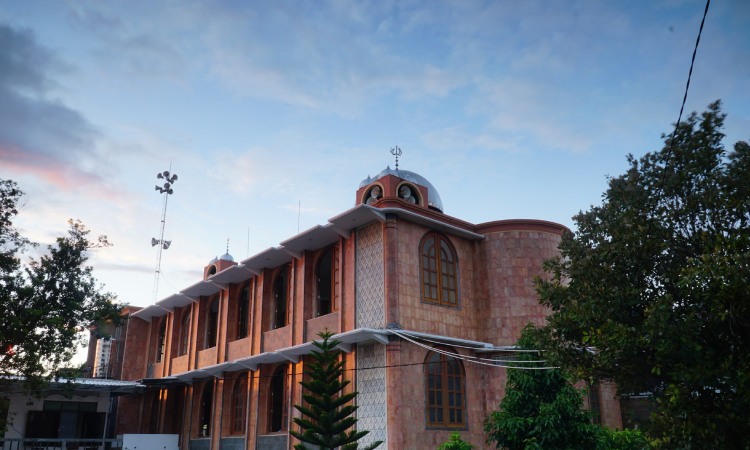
(426, 307)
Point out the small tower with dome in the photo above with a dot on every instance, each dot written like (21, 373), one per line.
(396, 187)
(218, 264)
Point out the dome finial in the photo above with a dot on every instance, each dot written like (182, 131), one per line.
(226, 256)
(396, 151)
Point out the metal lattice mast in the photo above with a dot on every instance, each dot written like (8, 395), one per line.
(166, 190)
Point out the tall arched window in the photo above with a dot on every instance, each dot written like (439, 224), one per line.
(280, 297)
(277, 415)
(185, 331)
(324, 282)
(243, 309)
(206, 407)
(239, 400)
(161, 341)
(439, 268)
(444, 391)
(212, 323)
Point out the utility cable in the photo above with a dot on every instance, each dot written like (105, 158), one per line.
(684, 99)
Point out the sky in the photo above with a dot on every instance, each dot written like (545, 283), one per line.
(272, 113)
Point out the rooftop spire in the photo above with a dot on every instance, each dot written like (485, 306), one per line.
(396, 151)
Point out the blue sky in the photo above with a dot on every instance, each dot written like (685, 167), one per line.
(511, 109)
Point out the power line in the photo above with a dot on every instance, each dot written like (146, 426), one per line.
(466, 358)
(474, 359)
(684, 99)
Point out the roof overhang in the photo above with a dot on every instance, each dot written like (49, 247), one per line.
(440, 339)
(433, 224)
(312, 239)
(270, 257)
(232, 275)
(202, 289)
(289, 354)
(78, 386)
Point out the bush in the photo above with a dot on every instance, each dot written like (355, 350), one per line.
(455, 442)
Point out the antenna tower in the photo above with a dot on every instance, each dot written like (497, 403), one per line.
(166, 190)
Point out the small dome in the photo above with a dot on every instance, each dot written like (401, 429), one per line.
(214, 261)
(227, 257)
(433, 198)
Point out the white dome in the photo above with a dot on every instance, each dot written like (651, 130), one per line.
(433, 198)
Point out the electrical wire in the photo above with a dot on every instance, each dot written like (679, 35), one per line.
(519, 350)
(474, 360)
(406, 335)
(684, 99)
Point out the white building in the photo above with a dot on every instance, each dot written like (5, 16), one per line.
(103, 357)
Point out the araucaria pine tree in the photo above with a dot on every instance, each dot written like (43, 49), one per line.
(328, 414)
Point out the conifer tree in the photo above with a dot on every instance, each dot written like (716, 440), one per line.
(328, 420)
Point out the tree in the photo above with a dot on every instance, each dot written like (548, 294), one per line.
(327, 420)
(540, 409)
(455, 442)
(47, 302)
(655, 282)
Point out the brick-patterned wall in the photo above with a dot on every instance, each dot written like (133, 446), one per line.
(135, 352)
(514, 259)
(414, 314)
(128, 414)
(481, 387)
(611, 412)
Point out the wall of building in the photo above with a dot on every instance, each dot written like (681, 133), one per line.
(377, 284)
(21, 404)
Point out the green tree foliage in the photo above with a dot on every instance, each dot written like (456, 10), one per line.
(328, 419)
(455, 442)
(541, 409)
(656, 279)
(47, 302)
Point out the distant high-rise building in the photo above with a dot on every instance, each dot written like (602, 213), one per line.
(102, 358)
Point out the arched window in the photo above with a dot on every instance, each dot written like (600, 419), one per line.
(243, 309)
(277, 415)
(161, 340)
(439, 266)
(408, 193)
(374, 194)
(280, 297)
(185, 331)
(324, 282)
(212, 323)
(206, 407)
(239, 399)
(444, 391)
